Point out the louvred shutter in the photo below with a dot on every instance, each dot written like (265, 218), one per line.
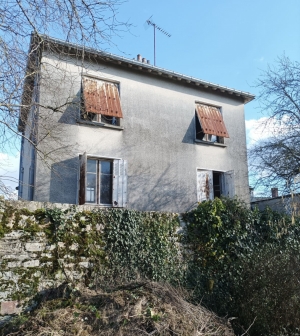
(228, 187)
(101, 98)
(119, 183)
(205, 190)
(211, 120)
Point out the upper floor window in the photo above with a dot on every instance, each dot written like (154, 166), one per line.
(101, 101)
(210, 126)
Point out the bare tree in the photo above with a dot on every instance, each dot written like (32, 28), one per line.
(275, 161)
(87, 22)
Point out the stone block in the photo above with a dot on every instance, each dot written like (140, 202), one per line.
(84, 264)
(68, 256)
(99, 227)
(74, 247)
(13, 264)
(34, 247)
(31, 263)
(40, 234)
(9, 307)
(22, 221)
(14, 235)
(47, 255)
(5, 276)
(22, 257)
(51, 247)
(4, 295)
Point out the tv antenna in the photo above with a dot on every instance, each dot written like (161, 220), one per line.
(155, 26)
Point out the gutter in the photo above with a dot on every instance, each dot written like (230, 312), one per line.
(151, 68)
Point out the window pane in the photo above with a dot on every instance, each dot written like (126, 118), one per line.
(109, 120)
(91, 166)
(91, 188)
(217, 184)
(106, 167)
(106, 182)
(105, 189)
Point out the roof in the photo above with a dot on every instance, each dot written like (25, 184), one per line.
(109, 57)
(57, 45)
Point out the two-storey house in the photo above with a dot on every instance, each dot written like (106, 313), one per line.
(111, 131)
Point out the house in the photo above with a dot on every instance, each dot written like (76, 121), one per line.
(288, 203)
(113, 131)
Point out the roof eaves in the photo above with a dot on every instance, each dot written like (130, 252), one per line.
(151, 68)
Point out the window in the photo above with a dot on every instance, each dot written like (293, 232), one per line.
(103, 181)
(101, 102)
(211, 184)
(210, 126)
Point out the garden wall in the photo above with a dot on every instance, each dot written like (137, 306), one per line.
(43, 245)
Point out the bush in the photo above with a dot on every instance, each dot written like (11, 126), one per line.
(244, 264)
(268, 292)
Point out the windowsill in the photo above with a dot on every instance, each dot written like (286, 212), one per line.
(209, 143)
(99, 205)
(98, 124)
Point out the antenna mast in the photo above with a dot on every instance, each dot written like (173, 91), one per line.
(155, 26)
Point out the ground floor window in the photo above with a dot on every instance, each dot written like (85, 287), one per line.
(103, 181)
(212, 184)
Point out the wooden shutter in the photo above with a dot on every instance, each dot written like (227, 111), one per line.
(205, 189)
(211, 120)
(228, 184)
(119, 183)
(101, 98)
(82, 178)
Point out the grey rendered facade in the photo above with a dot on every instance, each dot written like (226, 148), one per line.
(161, 165)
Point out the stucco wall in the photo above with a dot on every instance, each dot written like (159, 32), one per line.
(287, 204)
(157, 140)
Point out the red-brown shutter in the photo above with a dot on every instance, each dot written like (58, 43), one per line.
(101, 98)
(211, 120)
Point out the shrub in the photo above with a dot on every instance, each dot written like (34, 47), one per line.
(244, 264)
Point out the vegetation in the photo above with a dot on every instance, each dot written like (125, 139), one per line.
(245, 264)
(239, 263)
(274, 159)
(139, 308)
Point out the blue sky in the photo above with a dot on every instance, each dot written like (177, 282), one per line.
(227, 42)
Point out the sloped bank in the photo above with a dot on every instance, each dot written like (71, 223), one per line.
(138, 308)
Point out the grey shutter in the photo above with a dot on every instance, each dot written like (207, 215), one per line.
(228, 184)
(82, 178)
(205, 189)
(119, 183)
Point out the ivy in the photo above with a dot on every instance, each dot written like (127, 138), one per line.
(235, 259)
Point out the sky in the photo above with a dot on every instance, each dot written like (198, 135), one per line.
(226, 42)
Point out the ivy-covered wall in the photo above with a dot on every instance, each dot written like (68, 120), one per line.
(43, 245)
(236, 261)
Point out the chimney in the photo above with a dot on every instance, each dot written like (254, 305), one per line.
(144, 60)
(251, 191)
(274, 192)
(148, 62)
(139, 58)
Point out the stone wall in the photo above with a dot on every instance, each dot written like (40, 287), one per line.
(43, 245)
(29, 262)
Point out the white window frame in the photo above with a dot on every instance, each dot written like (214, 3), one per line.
(205, 186)
(119, 180)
